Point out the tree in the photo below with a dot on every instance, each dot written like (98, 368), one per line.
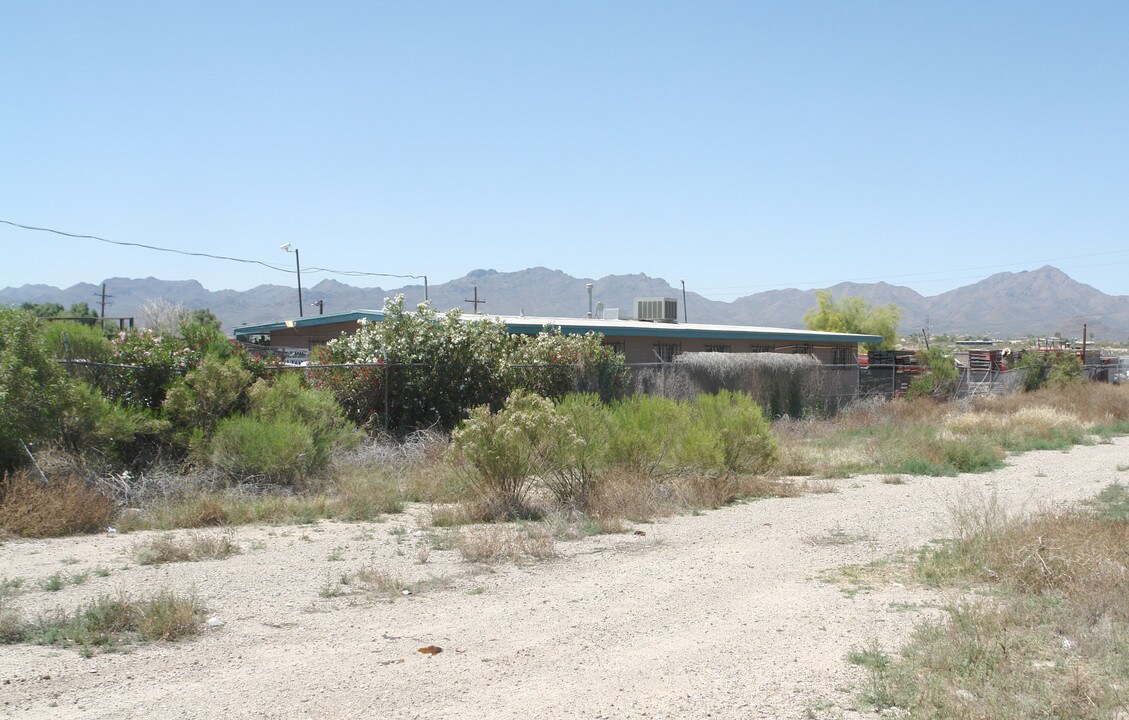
(855, 315)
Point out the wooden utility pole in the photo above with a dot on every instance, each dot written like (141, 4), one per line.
(475, 301)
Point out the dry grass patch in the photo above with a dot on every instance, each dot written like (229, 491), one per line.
(197, 546)
(62, 506)
(499, 542)
(1050, 639)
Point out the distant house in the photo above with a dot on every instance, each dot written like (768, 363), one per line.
(640, 341)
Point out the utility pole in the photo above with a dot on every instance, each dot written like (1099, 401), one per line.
(476, 301)
(102, 315)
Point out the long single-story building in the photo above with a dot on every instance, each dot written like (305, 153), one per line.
(640, 341)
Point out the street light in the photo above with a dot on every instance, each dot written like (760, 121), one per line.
(298, 266)
(684, 318)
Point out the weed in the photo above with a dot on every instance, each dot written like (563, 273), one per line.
(106, 622)
(197, 546)
(838, 536)
(54, 583)
(489, 544)
(63, 506)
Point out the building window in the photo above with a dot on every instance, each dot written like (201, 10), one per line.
(801, 349)
(716, 348)
(666, 352)
(619, 346)
(762, 347)
(842, 356)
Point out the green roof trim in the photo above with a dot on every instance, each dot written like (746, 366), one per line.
(312, 321)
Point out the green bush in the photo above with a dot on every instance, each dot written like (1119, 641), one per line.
(1054, 368)
(728, 432)
(92, 423)
(940, 374)
(277, 451)
(32, 387)
(499, 453)
(644, 430)
(289, 435)
(578, 458)
(68, 339)
(213, 390)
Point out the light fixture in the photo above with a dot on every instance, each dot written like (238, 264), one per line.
(287, 247)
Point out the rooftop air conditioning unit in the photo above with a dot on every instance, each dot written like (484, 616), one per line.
(656, 309)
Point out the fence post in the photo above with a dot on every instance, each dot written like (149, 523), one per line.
(387, 381)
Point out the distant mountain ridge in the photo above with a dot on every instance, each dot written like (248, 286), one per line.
(1040, 302)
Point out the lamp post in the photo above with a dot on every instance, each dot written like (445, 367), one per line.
(684, 317)
(297, 266)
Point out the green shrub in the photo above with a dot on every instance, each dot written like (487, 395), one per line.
(578, 458)
(500, 452)
(729, 432)
(32, 388)
(644, 429)
(277, 451)
(214, 389)
(68, 339)
(290, 433)
(93, 423)
(1050, 369)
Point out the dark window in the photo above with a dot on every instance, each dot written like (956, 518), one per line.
(716, 348)
(762, 347)
(842, 356)
(666, 352)
(801, 349)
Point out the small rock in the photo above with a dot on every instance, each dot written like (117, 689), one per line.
(215, 622)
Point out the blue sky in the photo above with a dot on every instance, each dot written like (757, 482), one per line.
(739, 146)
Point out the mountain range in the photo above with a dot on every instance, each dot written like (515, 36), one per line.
(1037, 302)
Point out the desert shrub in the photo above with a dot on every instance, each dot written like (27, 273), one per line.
(32, 387)
(289, 435)
(271, 450)
(940, 374)
(106, 622)
(646, 430)
(91, 423)
(63, 506)
(68, 339)
(1055, 368)
(728, 432)
(578, 457)
(500, 452)
(214, 389)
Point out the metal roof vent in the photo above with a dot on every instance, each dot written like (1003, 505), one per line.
(656, 309)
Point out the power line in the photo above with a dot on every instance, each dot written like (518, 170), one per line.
(148, 247)
(350, 273)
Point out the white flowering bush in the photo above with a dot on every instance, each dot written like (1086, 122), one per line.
(429, 368)
(553, 364)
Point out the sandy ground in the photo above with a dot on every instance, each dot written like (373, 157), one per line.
(728, 614)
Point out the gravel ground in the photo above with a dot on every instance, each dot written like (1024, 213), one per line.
(734, 613)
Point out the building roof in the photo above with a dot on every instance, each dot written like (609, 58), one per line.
(311, 321)
(628, 328)
(526, 325)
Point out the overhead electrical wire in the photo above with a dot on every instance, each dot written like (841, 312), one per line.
(353, 273)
